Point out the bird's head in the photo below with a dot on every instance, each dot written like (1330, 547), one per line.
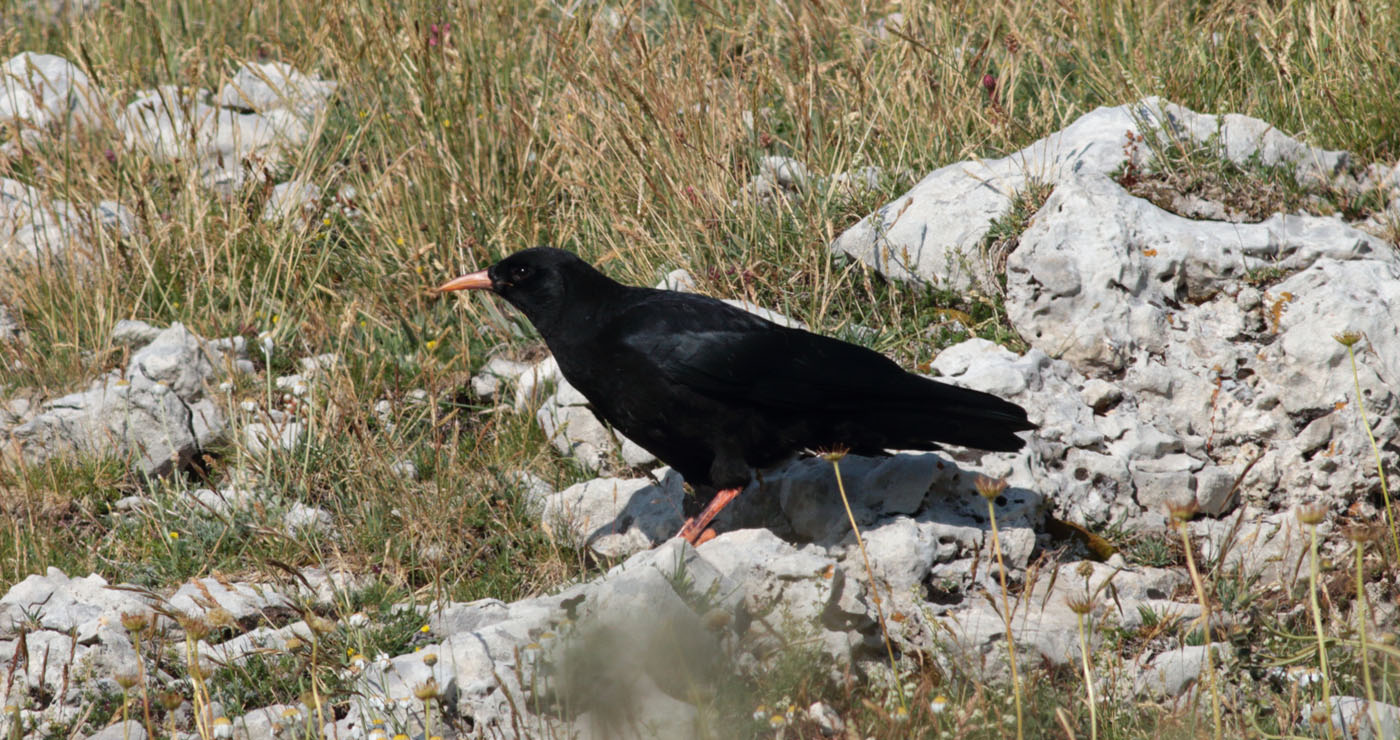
(542, 282)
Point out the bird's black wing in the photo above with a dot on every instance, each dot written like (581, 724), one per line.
(735, 357)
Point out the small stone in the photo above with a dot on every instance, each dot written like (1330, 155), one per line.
(259, 438)
(1100, 395)
(1215, 490)
(133, 333)
(128, 730)
(302, 517)
(786, 172)
(1171, 673)
(404, 468)
(828, 722)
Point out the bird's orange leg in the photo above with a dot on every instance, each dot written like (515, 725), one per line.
(696, 529)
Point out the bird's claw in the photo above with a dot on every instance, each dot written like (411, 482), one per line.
(693, 533)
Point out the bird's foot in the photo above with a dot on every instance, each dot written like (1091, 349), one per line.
(694, 535)
(697, 530)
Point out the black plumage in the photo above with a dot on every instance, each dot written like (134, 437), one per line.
(716, 392)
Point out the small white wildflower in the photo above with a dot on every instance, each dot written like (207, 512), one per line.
(938, 704)
(223, 728)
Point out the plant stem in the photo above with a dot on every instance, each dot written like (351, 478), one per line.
(1006, 618)
(1361, 617)
(141, 676)
(1380, 467)
(1088, 679)
(1317, 624)
(196, 682)
(870, 572)
(1205, 628)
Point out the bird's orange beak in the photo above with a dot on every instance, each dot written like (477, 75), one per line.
(478, 280)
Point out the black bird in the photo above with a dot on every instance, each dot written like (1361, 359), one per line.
(716, 392)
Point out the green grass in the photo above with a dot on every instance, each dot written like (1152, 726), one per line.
(622, 138)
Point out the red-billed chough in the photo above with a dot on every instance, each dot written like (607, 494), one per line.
(716, 392)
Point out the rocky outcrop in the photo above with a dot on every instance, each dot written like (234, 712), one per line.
(155, 412)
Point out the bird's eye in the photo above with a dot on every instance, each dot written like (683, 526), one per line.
(520, 272)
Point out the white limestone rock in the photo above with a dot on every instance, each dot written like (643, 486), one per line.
(47, 91)
(617, 517)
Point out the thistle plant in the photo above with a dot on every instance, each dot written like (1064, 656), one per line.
(990, 489)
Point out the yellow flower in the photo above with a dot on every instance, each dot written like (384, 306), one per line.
(174, 535)
(399, 241)
(326, 221)
(424, 629)
(431, 344)
(446, 123)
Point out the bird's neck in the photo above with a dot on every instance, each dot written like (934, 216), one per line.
(586, 307)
